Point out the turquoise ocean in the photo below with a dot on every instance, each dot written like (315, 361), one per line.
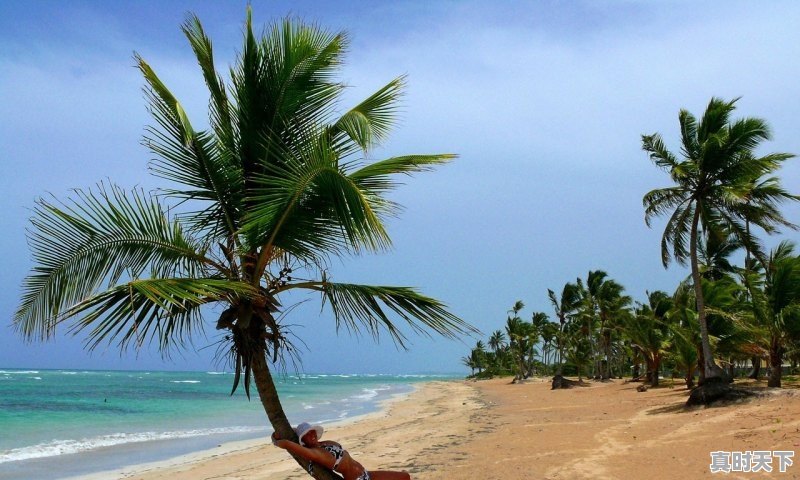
(64, 423)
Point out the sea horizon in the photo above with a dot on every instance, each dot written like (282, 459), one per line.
(92, 421)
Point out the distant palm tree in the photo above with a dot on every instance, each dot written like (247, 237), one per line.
(549, 334)
(520, 343)
(775, 295)
(278, 191)
(649, 331)
(605, 299)
(718, 182)
(470, 363)
(516, 308)
(497, 341)
(538, 321)
(685, 331)
(563, 307)
(479, 355)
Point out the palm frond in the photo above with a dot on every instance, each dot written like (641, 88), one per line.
(662, 200)
(714, 118)
(311, 204)
(358, 307)
(689, 144)
(219, 104)
(283, 83)
(658, 152)
(164, 310)
(676, 235)
(98, 236)
(190, 158)
(369, 122)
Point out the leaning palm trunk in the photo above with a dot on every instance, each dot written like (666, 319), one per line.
(272, 405)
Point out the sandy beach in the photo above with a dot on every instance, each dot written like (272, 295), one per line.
(495, 430)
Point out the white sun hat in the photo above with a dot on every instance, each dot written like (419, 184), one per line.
(306, 427)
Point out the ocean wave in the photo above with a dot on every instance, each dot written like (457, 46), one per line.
(219, 373)
(20, 372)
(65, 447)
(184, 381)
(368, 394)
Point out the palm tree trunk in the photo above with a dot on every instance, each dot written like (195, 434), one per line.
(775, 362)
(272, 405)
(689, 376)
(710, 368)
(756, 372)
(607, 371)
(654, 365)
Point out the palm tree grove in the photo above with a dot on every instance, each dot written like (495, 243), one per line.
(722, 319)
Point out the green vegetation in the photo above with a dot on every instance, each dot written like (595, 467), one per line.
(277, 191)
(723, 314)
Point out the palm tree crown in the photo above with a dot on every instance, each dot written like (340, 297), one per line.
(720, 184)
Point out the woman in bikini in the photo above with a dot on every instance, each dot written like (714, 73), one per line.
(330, 455)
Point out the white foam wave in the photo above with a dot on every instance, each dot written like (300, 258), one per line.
(65, 447)
(219, 373)
(185, 381)
(20, 372)
(369, 394)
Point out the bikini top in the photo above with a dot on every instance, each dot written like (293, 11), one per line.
(337, 451)
(338, 454)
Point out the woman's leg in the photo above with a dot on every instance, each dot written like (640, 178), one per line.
(386, 475)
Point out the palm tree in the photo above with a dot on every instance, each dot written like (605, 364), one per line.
(520, 342)
(479, 356)
(649, 331)
(775, 295)
(470, 363)
(718, 182)
(278, 191)
(549, 334)
(497, 341)
(605, 300)
(563, 307)
(538, 322)
(578, 346)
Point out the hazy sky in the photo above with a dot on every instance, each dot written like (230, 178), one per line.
(544, 102)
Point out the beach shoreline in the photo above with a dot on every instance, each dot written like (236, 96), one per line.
(495, 430)
(226, 449)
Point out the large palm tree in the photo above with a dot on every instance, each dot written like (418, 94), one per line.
(719, 182)
(271, 192)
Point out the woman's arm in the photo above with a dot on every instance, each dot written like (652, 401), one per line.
(315, 455)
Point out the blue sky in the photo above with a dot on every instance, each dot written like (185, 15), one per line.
(544, 102)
